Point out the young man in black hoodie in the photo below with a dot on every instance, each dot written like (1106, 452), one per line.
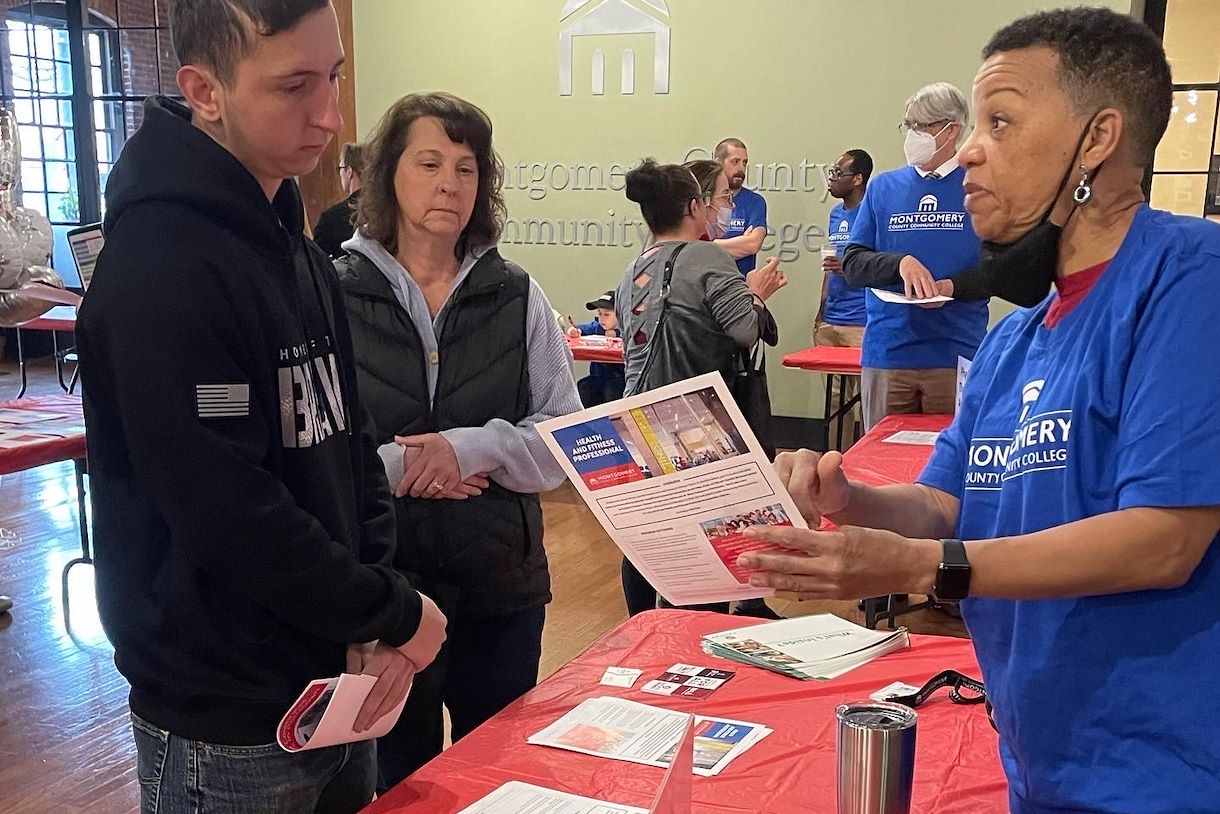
(243, 523)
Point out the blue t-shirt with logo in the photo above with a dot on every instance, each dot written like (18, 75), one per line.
(749, 212)
(903, 212)
(1104, 703)
(844, 302)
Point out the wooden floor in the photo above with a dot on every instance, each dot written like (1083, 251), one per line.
(65, 742)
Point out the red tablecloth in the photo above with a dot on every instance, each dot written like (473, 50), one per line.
(37, 453)
(826, 359)
(874, 462)
(59, 318)
(957, 768)
(605, 350)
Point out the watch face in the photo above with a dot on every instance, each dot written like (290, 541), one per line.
(953, 575)
(952, 582)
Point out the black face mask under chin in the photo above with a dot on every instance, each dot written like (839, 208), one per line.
(1021, 272)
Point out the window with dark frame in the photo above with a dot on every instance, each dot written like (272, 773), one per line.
(1185, 177)
(76, 74)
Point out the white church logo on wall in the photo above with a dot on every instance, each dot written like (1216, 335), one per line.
(604, 19)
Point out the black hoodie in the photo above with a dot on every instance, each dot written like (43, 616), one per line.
(236, 485)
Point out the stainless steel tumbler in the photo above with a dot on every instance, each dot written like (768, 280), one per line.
(875, 747)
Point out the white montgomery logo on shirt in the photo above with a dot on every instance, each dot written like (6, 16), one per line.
(1029, 396)
(927, 215)
(840, 237)
(1040, 444)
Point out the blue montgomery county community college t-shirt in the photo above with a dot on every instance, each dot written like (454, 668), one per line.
(902, 212)
(844, 302)
(749, 211)
(1105, 703)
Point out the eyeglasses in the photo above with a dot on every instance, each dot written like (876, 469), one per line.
(726, 197)
(924, 127)
(344, 167)
(835, 172)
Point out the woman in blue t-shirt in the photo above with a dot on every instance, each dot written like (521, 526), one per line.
(1082, 469)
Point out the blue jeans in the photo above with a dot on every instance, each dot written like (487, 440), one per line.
(191, 777)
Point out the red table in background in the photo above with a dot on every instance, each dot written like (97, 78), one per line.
(826, 359)
(875, 462)
(70, 447)
(832, 361)
(792, 771)
(59, 318)
(585, 349)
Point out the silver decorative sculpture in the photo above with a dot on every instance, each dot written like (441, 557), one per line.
(28, 286)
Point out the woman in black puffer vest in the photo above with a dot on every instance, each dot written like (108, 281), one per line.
(458, 356)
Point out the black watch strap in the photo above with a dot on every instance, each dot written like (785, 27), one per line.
(953, 575)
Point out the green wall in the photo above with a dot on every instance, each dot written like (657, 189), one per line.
(800, 81)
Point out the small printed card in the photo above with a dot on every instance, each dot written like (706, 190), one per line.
(688, 681)
(893, 690)
(620, 676)
(917, 437)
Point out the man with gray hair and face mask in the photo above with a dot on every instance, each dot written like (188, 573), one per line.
(913, 230)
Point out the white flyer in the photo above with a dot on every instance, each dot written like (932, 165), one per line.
(515, 797)
(638, 733)
(963, 373)
(902, 299)
(676, 478)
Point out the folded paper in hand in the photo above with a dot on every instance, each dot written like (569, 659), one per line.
(325, 714)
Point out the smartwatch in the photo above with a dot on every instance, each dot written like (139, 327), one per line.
(953, 576)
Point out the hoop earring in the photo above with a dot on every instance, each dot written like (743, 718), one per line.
(1084, 190)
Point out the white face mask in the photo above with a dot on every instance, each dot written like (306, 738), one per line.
(920, 146)
(717, 228)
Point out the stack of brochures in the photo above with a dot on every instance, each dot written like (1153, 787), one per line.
(807, 647)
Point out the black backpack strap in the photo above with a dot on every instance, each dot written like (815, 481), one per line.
(658, 332)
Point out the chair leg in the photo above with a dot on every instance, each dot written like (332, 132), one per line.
(59, 360)
(82, 504)
(827, 412)
(86, 557)
(870, 611)
(21, 364)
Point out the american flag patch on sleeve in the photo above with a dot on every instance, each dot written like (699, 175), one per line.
(222, 400)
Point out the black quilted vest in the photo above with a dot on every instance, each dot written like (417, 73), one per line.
(480, 557)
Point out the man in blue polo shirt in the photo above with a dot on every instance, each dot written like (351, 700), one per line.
(842, 315)
(748, 228)
(913, 230)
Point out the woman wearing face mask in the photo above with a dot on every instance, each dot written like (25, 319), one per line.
(1081, 468)
(708, 174)
(712, 314)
